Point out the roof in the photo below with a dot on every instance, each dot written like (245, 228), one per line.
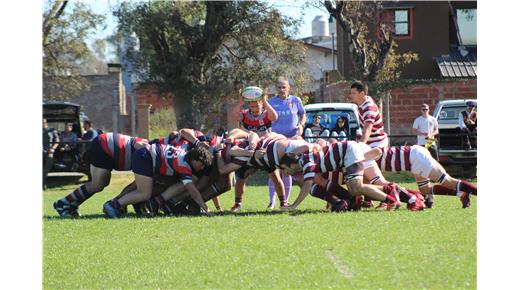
(456, 102)
(323, 46)
(454, 65)
(337, 106)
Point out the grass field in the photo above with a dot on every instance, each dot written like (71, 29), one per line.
(313, 249)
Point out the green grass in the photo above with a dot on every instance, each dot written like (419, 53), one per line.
(308, 249)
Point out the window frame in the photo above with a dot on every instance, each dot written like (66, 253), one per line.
(409, 11)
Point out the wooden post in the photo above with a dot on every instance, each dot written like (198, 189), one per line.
(143, 120)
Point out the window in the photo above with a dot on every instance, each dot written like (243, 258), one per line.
(467, 22)
(399, 22)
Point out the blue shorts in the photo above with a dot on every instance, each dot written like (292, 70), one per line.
(142, 162)
(98, 157)
(245, 171)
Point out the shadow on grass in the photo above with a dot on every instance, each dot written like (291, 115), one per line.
(219, 214)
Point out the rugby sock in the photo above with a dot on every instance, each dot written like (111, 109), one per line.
(272, 191)
(78, 196)
(321, 193)
(115, 203)
(443, 190)
(338, 190)
(159, 200)
(287, 183)
(468, 187)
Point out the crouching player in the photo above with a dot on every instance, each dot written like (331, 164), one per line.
(163, 160)
(107, 152)
(345, 155)
(419, 161)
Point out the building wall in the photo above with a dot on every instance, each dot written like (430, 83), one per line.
(317, 62)
(146, 94)
(405, 103)
(105, 103)
(430, 21)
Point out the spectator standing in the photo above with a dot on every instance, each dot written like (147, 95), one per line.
(68, 141)
(370, 121)
(50, 143)
(426, 128)
(468, 123)
(90, 133)
(290, 123)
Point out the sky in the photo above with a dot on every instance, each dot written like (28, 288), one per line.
(294, 9)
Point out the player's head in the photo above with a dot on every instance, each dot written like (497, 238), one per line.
(256, 107)
(357, 92)
(283, 87)
(199, 158)
(289, 163)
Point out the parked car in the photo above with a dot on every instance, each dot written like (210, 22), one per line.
(451, 151)
(330, 113)
(58, 114)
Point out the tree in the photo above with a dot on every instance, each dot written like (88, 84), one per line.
(195, 51)
(64, 48)
(375, 60)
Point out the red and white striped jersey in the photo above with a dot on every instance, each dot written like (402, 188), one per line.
(176, 139)
(226, 155)
(328, 159)
(395, 158)
(269, 162)
(170, 160)
(369, 113)
(259, 124)
(120, 148)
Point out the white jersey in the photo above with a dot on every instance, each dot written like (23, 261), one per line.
(425, 124)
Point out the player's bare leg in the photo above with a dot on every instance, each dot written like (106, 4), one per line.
(143, 193)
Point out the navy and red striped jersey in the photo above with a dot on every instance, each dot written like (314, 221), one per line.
(259, 124)
(329, 158)
(119, 147)
(169, 160)
(395, 158)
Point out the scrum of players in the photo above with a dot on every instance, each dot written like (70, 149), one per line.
(177, 174)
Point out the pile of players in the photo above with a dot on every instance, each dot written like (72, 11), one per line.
(179, 173)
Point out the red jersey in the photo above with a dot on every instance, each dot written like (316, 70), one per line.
(259, 124)
(119, 147)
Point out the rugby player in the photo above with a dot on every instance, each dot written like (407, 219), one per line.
(107, 152)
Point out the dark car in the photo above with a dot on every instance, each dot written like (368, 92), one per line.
(58, 115)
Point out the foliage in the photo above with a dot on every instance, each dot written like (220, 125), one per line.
(66, 26)
(370, 43)
(162, 122)
(197, 50)
(310, 249)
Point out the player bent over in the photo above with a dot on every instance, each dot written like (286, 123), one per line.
(345, 155)
(107, 152)
(164, 160)
(419, 161)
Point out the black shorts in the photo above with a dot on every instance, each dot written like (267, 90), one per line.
(142, 162)
(245, 171)
(98, 157)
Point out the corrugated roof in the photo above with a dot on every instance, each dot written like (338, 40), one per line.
(455, 67)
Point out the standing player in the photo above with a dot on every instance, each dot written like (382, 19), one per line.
(107, 152)
(419, 161)
(258, 117)
(345, 155)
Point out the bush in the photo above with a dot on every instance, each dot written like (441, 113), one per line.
(162, 122)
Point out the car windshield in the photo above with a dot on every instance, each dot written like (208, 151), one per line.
(329, 117)
(451, 113)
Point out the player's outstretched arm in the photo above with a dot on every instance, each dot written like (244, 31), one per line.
(224, 168)
(195, 195)
(304, 191)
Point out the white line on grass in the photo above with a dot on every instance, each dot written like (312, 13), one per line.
(340, 267)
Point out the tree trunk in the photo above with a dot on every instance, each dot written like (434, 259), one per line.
(187, 116)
